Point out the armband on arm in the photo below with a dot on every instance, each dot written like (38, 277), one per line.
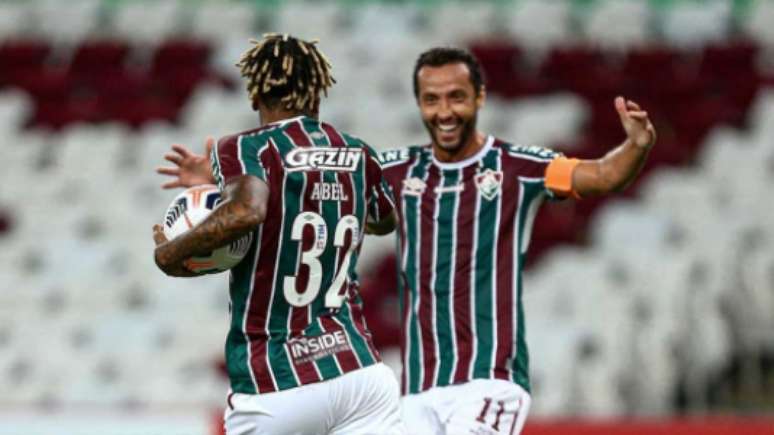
(559, 177)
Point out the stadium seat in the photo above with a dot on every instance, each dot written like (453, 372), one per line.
(14, 19)
(618, 25)
(692, 25)
(210, 19)
(65, 22)
(158, 20)
(539, 25)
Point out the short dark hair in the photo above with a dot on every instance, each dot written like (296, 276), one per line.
(285, 71)
(439, 56)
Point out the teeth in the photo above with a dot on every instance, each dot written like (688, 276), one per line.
(447, 127)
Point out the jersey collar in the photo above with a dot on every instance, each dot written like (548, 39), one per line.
(472, 159)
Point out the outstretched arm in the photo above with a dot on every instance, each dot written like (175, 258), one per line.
(190, 169)
(243, 208)
(619, 166)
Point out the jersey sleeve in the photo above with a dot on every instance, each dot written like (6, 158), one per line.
(234, 156)
(380, 200)
(552, 168)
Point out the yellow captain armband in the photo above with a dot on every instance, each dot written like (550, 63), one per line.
(559, 176)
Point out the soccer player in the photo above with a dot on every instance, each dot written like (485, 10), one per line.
(466, 204)
(300, 358)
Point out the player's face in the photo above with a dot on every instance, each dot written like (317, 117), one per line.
(449, 105)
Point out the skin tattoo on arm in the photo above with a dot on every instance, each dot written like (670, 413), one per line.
(242, 211)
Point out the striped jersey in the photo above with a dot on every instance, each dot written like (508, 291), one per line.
(296, 315)
(464, 232)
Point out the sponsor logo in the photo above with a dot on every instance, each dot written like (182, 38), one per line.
(392, 156)
(307, 349)
(413, 186)
(323, 158)
(543, 153)
(488, 183)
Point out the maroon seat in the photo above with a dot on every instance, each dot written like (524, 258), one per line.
(722, 60)
(138, 111)
(98, 56)
(51, 84)
(649, 63)
(499, 61)
(179, 84)
(23, 53)
(180, 54)
(562, 64)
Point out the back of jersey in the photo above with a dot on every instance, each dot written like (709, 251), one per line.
(295, 311)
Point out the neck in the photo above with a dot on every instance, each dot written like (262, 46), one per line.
(471, 147)
(269, 116)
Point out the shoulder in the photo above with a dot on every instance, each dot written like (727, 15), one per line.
(533, 153)
(398, 156)
(252, 139)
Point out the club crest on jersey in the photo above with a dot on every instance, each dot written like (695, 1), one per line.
(413, 186)
(488, 183)
(323, 158)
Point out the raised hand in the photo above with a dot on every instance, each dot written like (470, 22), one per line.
(190, 169)
(635, 122)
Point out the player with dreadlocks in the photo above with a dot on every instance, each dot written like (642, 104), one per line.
(306, 192)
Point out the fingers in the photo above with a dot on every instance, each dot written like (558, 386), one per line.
(208, 143)
(174, 158)
(158, 234)
(620, 105)
(168, 170)
(172, 185)
(631, 105)
(629, 109)
(182, 150)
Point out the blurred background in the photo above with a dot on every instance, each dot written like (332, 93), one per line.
(648, 312)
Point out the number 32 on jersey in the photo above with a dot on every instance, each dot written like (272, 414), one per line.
(310, 257)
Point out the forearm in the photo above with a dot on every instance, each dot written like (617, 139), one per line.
(621, 165)
(227, 223)
(611, 173)
(243, 209)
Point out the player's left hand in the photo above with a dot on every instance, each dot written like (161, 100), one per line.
(168, 268)
(635, 122)
(158, 235)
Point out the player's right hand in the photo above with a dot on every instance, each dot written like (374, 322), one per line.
(190, 169)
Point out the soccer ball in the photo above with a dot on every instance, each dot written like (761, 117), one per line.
(189, 208)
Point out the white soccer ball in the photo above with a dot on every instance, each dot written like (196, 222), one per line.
(189, 208)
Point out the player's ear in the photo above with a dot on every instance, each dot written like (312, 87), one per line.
(481, 97)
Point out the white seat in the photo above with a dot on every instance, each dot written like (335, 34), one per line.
(539, 25)
(310, 20)
(157, 20)
(214, 22)
(693, 25)
(15, 19)
(481, 23)
(618, 25)
(67, 22)
(757, 22)
(545, 120)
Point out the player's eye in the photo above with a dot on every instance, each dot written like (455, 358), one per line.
(430, 99)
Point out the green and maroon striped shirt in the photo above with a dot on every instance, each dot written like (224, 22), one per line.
(464, 232)
(296, 315)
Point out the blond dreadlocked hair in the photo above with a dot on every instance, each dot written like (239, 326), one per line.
(285, 71)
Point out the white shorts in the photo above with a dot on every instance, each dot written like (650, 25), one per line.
(364, 401)
(481, 407)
